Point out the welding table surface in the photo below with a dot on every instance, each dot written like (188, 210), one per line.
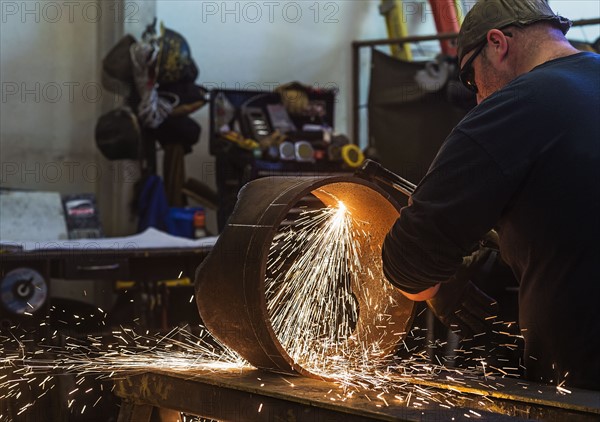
(149, 256)
(254, 395)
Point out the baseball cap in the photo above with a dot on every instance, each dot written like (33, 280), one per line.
(497, 14)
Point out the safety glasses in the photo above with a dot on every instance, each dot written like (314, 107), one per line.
(467, 73)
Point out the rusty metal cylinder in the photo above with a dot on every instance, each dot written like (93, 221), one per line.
(230, 282)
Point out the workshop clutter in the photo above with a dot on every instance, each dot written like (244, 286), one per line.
(285, 131)
(294, 123)
(288, 131)
(156, 77)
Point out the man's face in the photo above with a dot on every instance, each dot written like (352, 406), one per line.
(482, 72)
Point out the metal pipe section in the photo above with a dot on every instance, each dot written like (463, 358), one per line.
(230, 282)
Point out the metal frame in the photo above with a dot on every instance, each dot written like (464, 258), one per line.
(357, 45)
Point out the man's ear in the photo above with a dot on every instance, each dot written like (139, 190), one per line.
(497, 45)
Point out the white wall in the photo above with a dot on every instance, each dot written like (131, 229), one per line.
(50, 94)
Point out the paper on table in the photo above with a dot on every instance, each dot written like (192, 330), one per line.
(149, 239)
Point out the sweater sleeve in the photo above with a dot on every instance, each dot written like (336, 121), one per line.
(459, 200)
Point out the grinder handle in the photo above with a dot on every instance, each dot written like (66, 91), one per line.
(375, 172)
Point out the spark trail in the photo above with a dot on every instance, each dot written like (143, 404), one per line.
(310, 272)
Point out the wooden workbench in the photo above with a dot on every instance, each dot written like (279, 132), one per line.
(253, 395)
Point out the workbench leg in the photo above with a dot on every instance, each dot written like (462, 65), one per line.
(131, 412)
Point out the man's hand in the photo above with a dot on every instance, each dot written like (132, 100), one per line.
(460, 305)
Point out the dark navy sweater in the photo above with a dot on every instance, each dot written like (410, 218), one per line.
(525, 161)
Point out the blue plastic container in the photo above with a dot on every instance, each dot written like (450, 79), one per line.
(180, 221)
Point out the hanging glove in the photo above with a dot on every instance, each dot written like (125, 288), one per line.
(460, 305)
(153, 108)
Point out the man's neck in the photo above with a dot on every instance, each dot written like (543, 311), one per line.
(546, 52)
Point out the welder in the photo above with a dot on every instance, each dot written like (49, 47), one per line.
(525, 161)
